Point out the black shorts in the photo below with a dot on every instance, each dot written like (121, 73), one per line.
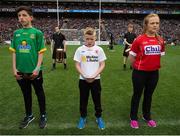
(54, 54)
(126, 54)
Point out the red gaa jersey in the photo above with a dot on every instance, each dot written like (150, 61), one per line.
(147, 52)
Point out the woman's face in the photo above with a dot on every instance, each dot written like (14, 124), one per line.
(153, 25)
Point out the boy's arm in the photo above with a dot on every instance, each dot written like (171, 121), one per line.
(52, 46)
(100, 69)
(125, 41)
(78, 67)
(18, 77)
(65, 46)
(38, 66)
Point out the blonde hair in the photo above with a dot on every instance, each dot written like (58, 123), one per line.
(146, 21)
(90, 31)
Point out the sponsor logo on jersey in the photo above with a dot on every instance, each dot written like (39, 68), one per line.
(89, 58)
(83, 58)
(32, 36)
(152, 50)
(24, 47)
(92, 58)
(18, 35)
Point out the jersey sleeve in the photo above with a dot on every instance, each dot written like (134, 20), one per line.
(125, 36)
(12, 46)
(77, 56)
(40, 42)
(134, 48)
(102, 55)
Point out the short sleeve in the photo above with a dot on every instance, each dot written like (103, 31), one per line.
(102, 55)
(12, 46)
(40, 42)
(77, 56)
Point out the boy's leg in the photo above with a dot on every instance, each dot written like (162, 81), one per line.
(54, 59)
(65, 63)
(96, 96)
(38, 87)
(84, 95)
(26, 89)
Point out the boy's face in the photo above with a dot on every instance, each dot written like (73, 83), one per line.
(89, 40)
(130, 28)
(24, 18)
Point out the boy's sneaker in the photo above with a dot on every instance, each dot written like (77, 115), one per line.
(124, 66)
(43, 121)
(100, 123)
(82, 122)
(150, 123)
(26, 121)
(134, 124)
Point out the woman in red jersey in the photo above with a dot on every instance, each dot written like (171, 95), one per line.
(145, 55)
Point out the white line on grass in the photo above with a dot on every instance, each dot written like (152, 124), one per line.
(92, 124)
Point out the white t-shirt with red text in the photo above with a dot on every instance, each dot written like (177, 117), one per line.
(89, 59)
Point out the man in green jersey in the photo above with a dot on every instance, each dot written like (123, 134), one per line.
(27, 49)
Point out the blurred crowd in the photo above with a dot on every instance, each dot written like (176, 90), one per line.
(169, 30)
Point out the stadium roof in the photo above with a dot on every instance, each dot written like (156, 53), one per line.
(111, 1)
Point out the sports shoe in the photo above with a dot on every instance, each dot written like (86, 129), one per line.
(43, 121)
(124, 66)
(26, 121)
(150, 123)
(100, 123)
(134, 124)
(82, 122)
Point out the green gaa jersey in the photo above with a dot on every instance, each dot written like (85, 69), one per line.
(27, 43)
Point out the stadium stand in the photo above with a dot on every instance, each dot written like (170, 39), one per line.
(75, 15)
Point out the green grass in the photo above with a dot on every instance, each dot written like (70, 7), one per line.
(62, 95)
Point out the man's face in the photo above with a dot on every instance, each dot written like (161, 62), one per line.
(24, 18)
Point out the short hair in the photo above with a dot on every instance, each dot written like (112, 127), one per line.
(26, 8)
(130, 24)
(90, 31)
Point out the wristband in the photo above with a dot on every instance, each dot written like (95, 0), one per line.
(37, 69)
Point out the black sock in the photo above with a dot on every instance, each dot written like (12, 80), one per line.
(65, 66)
(54, 65)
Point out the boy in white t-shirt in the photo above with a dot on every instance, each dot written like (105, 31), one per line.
(90, 62)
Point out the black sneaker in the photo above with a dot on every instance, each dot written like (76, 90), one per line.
(124, 66)
(26, 121)
(65, 66)
(43, 121)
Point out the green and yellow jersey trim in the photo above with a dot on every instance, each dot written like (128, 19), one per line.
(42, 50)
(12, 49)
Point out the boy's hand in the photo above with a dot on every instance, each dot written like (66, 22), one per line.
(18, 77)
(33, 76)
(35, 73)
(90, 80)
